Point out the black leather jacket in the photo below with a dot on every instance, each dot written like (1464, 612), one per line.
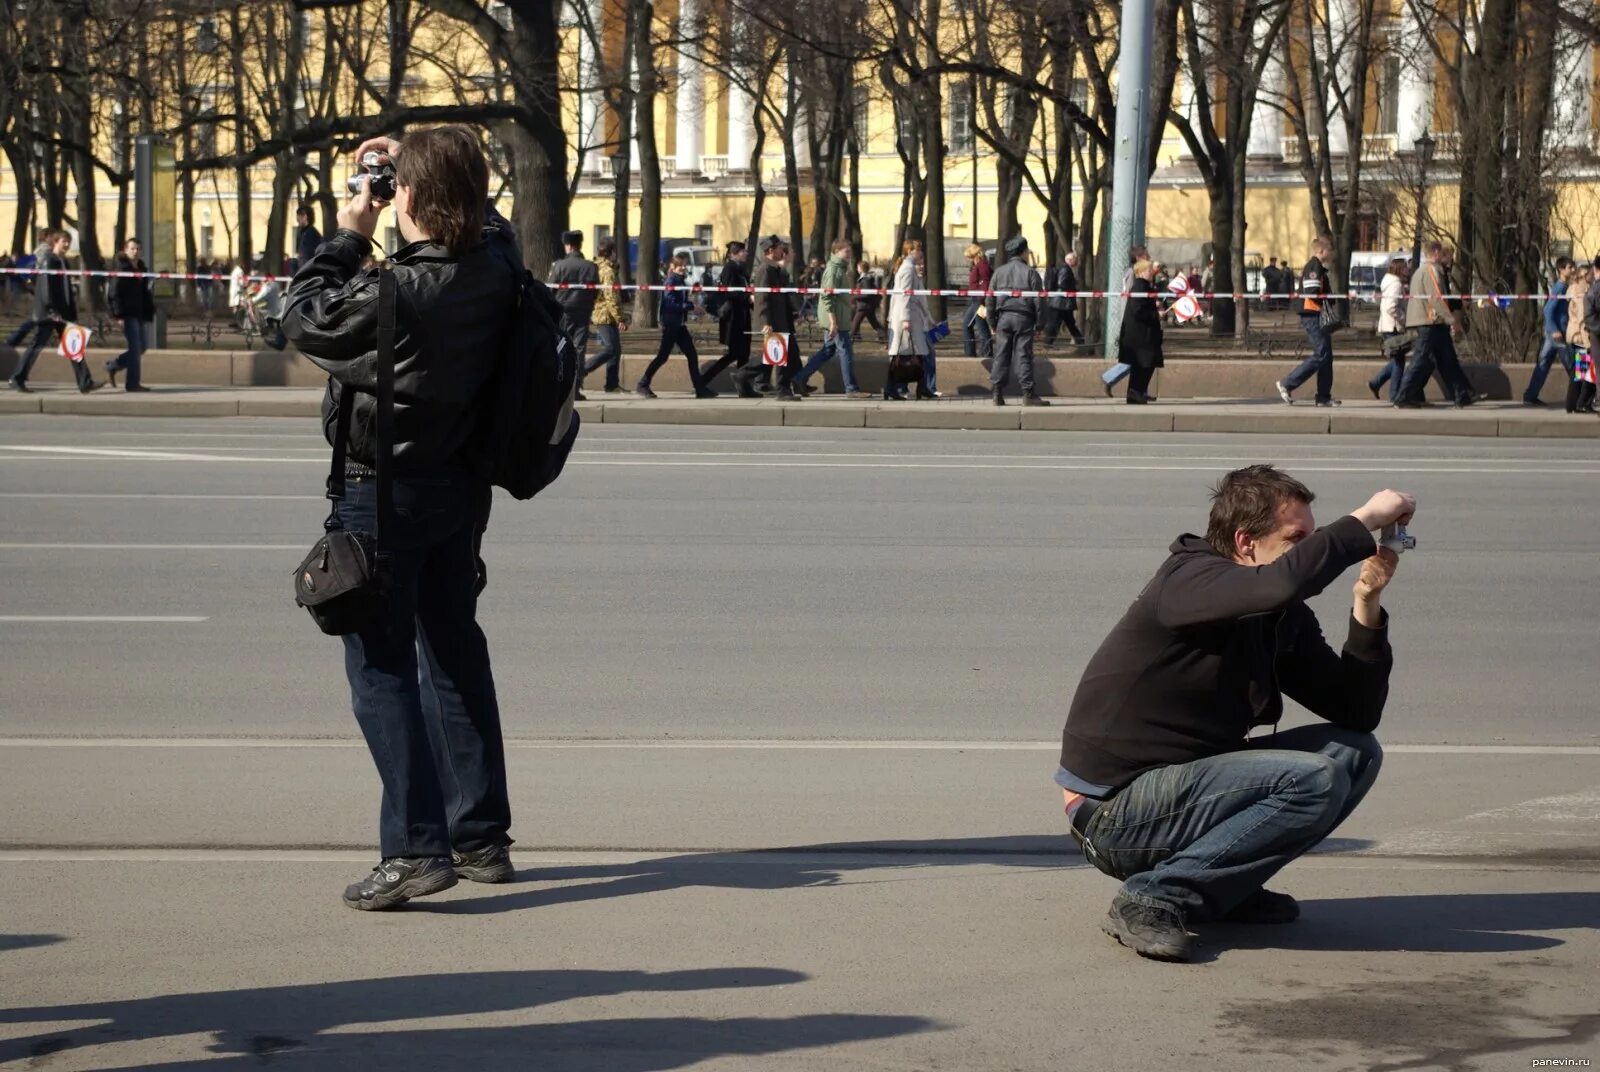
(451, 316)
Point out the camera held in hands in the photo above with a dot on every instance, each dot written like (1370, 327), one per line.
(1397, 539)
(381, 169)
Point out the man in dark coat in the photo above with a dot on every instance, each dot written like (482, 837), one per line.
(309, 238)
(577, 300)
(1165, 790)
(1063, 310)
(54, 306)
(1139, 346)
(134, 306)
(1015, 320)
(733, 321)
(775, 311)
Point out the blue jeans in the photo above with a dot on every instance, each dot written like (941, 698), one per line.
(836, 342)
(610, 354)
(1435, 352)
(930, 378)
(420, 681)
(977, 339)
(133, 331)
(1549, 353)
(1320, 363)
(1201, 837)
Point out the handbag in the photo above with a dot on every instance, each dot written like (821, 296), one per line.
(342, 582)
(905, 368)
(1332, 318)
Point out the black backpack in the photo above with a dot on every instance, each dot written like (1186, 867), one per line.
(530, 424)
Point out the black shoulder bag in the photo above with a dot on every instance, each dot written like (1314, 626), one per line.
(342, 581)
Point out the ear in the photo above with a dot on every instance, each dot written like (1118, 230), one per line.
(1244, 546)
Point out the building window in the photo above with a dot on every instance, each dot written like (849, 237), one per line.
(208, 236)
(860, 103)
(391, 240)
(1080, 94)
(1369, 231)
(501, 12)
(1387, 92)
(960, 108)
(702, 234)
(601, 233)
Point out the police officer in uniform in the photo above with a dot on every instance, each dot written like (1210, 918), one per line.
(1015, 320)
(577, 303)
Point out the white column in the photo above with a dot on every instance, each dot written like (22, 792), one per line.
(1573, 120)
(741, 126)
(1340, 66)
(589, 93)
(1414, 108)
(1266, 120)
(691, 93)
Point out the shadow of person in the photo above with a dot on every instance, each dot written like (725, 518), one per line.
(27, 941)
(766, 869)
(1429, 923)
(256, 1023)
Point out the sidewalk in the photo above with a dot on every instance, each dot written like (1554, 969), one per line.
(1506, 419)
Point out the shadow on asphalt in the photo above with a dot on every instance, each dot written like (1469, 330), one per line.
(27, 941)
(1429, 923)
(308, 1026)
(770, 869)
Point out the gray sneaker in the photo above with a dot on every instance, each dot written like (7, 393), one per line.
(492, 863)
(398, 879)
(1283, 393)
(1157, 933)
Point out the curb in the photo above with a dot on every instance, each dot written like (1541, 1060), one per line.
(1060, 417)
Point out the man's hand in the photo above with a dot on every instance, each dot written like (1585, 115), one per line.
(360, 213)
(1386, 508)
(1376, 573)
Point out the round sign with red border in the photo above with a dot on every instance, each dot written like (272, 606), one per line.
(74, 341)
(775, 348)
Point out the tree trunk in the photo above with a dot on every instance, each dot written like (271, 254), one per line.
(245, 245)
(791, 165)
(540, 211)
(644, 309)
(22, 225)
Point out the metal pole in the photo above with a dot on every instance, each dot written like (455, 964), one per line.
(1422, 207)
(1130, 173)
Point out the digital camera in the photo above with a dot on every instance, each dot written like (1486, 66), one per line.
(381, 168)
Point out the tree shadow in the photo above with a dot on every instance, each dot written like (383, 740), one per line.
(768, 869)
(9, 942)
(1430, 923)
(309, 1022)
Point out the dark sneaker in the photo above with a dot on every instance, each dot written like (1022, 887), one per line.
(398, 879)
(643, 391)
(1264, 906)
(492, 863)
(1157, 933)
(1034, 400)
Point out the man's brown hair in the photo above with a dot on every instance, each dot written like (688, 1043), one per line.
(444, 169)
(1248, 499)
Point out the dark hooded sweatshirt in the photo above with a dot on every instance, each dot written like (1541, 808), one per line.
(1210, 648)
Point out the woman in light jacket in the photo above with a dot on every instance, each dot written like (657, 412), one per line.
(1392, 334)
(910, 321)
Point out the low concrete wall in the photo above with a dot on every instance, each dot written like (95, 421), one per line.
(1226, 378)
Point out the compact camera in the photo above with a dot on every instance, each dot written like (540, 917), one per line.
(1397, 539)
(381, 168)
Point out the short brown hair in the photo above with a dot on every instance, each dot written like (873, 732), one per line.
(1248, 499)
(444, 169)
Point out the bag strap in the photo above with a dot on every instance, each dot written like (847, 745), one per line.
(384, 424)
(384, 418)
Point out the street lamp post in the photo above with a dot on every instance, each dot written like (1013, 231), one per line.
(1425, 146)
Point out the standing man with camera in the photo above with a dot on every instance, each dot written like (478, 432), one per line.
(420, 679)
(573, 279)
(1164, 788)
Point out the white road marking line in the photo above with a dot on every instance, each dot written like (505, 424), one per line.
(729, 744)
(1580, 807)
(151, 547)
(148, 619)
(153, 495)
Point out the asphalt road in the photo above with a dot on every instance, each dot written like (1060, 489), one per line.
(780, 707)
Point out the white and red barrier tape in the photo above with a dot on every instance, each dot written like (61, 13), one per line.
(951, 292)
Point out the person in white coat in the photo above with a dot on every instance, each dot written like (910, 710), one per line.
(910, 322)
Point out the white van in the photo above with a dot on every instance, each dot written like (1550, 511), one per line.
(1367, 269)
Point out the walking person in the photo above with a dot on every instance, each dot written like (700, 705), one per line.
(1015, 321)
(39, 254)
(1554, 346)
(733, 321)
(1063, 309)
(833, 312)
(1437, 322)
(307, 239)
(1117, 372)
(910, 322)
(867, 305)
(1140, 343)
(574, 278)
(54, 306)
(1395, 342)
(676, 303)
(1316, 293)
(133, 304)
(776, 312)
(607, 319)
(420, 679)
(977, 339)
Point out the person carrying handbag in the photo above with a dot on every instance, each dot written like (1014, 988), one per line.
(910, 322)
(1321, 314)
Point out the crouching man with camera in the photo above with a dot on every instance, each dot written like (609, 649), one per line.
(1164, 791)
(419, 672)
